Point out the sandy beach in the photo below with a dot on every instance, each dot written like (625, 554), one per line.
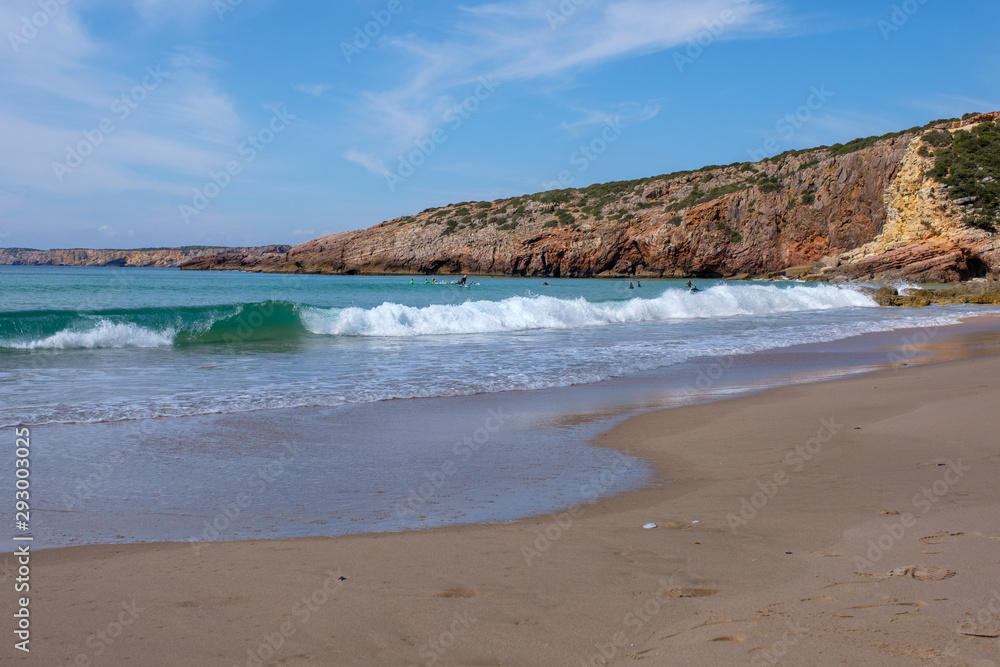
(848, 522)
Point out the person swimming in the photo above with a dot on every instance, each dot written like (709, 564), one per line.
(630, 285)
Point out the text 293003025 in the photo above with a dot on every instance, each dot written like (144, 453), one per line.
(22, 550)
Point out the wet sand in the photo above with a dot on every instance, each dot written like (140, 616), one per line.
(846, 522)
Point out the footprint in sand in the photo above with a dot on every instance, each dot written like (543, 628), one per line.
(921, 572)
(459, 593)
(976, 630)
(690, 592)
(940, 538)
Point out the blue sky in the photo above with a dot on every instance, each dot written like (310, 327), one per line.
(175, 122)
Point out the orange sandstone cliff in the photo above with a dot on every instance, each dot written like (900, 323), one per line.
(866, 210)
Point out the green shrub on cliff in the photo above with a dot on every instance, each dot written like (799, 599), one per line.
(566, 218)
(938, 139)
(970, 167)
(553, 196)
(769, 184)
(734, 236)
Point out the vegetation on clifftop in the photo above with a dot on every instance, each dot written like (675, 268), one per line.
(968, 163)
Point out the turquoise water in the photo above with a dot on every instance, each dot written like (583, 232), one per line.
(157, 393)
(99, 344)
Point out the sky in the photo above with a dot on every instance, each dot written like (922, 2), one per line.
(145, 123)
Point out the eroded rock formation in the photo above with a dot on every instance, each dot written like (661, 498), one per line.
(867, 210)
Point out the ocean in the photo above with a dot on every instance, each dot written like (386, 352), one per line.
(205, 406)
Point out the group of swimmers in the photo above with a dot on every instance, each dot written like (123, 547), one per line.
(464, 281)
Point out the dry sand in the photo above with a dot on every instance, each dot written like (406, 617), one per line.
(868, 533)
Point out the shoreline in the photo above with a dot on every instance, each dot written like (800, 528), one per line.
(537, 463)
(589, 584)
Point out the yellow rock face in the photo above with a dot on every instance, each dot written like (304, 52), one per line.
(917, 211)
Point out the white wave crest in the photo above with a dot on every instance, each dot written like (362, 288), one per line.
(541, 312)
(102, 334)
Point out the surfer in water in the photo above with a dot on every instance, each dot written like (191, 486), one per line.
(462, 281)
(689, 283)
(630, 285)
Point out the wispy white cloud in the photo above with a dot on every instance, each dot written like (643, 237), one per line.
(304, 232)
(369, 162)
(517, 41)
(627, 113)
(147, 128)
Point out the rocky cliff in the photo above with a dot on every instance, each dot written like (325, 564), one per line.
(928, 236)
(866, 209)
(155, 257)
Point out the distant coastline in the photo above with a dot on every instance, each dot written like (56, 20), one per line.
(146, 257)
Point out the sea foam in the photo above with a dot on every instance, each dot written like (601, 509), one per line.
(521, 313)
(101, 334)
